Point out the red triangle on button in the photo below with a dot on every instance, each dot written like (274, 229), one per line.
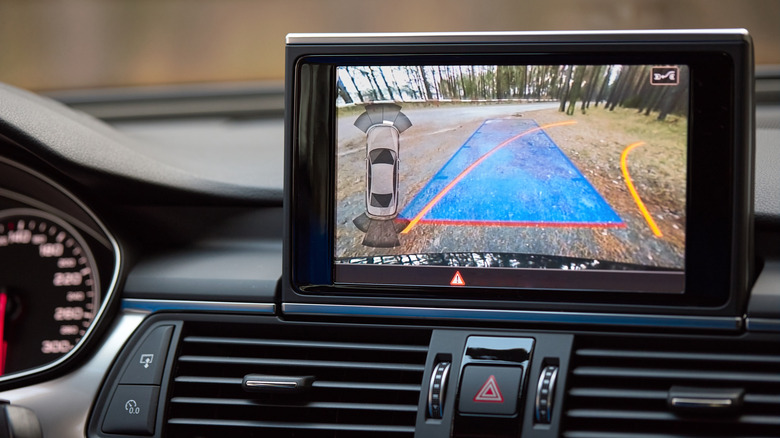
(489, 393)
(457, 280)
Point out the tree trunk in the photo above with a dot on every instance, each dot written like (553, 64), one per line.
(619, 90)
(604, 85)
(354, 84)
(566, 87)
(428, 94)
(389, 90)
(342, 91)
(576, 87)
(591, 87)
(524, 82)
(657, 99)
(376, 83)
(436, 85)
(673, 100)
(462, 82)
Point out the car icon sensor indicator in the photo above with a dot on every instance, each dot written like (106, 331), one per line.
(665, 75)
(383, 124)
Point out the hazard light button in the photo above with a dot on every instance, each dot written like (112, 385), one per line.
(490, 390)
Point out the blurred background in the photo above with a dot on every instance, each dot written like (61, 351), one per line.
(50, 45)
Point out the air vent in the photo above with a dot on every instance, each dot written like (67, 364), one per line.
(621, 388)
(366, 381)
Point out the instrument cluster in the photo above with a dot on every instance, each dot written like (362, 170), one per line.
(58, 269)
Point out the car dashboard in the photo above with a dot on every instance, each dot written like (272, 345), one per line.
(175, 325)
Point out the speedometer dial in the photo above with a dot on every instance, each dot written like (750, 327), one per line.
(49, 289)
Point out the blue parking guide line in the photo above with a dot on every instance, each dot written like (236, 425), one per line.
(528, 182)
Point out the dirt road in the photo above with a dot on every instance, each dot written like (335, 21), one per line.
(437, 133)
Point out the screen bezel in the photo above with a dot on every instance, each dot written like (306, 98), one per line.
(718, 207)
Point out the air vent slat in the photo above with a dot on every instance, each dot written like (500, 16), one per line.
(304, 344)
(762, 398)
(296, 425)
(618, 393)
(358, 382)
(318, 384)
(603, 434)
(302, 363)
(367, 386)
(678, 356)
(615, 390)
(312, 405)
(761, 419)
(211, 380)
(613, 414)
(687, 375)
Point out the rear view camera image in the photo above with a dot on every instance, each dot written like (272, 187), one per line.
(568, 167)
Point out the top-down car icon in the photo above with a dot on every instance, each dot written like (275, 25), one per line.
(382, 172)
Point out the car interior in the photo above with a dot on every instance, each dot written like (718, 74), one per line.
(415, 235)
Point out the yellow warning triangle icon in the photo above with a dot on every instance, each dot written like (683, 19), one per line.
(457, 280)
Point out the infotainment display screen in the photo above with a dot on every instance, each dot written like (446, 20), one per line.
(516, 175)
(547, 171)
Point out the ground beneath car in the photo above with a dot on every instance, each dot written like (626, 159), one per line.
(510, 173)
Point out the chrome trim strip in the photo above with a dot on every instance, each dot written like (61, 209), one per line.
(430, 390)
(481, 37)
(110, 290)
(150, 306)
(63, 404)
(550, 397)
(610, 319)
(444, 369)
(700, 402)
(271, 384)
(762, 325)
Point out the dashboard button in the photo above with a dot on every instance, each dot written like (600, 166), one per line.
(147, 362)
(491, 390)
(133, 410)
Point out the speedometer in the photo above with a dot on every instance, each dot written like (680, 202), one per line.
(49, 289)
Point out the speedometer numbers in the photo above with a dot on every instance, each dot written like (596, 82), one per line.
(49, 289)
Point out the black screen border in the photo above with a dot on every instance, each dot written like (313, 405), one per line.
(719, 195)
